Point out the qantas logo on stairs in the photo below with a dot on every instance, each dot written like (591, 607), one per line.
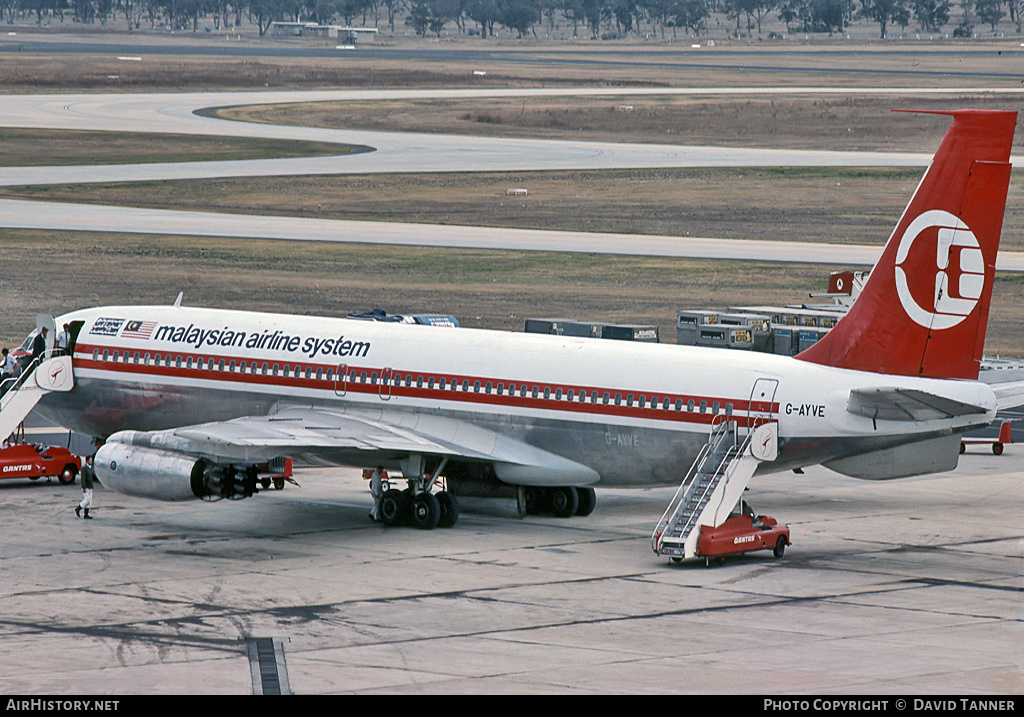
(939, 241)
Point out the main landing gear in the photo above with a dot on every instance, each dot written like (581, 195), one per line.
(418, 505)
(562, 501)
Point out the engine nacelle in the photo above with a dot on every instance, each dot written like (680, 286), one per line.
(168, 475)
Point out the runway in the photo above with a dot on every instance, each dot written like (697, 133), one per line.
(92, 218)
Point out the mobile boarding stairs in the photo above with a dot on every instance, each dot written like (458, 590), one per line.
(713, 486)
(22, 393)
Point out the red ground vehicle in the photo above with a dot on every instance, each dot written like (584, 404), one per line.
(742, 534)
(29, 460)
(997, 443)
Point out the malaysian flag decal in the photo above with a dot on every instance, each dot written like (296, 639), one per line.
(138, 329)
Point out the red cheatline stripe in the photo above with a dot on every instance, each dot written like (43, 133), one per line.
(83, 360)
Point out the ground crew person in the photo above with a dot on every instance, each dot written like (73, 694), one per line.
(377, 491)
(88, 477)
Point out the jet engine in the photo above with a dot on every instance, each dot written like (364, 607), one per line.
(169, 475)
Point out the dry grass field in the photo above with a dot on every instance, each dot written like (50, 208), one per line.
(492, 289)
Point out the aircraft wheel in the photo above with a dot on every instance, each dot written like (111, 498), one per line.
(963, 447)
(997, 448)
(780, 547)
(392, 507)
(536, 499)
(565, 500)
(425, 512)
(449, 509)
(588, 501)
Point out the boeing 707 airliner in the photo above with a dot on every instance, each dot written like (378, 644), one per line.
(189, 401)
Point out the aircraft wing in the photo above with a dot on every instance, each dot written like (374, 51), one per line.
(901, 404)
(362, 439)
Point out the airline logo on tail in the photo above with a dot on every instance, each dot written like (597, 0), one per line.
(959, 268)
(924, 309)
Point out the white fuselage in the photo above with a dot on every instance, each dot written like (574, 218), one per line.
(634, 412)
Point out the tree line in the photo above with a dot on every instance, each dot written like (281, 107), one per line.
(605, 19)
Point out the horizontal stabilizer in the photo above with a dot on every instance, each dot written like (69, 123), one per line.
(902, 404)
(1009, 395)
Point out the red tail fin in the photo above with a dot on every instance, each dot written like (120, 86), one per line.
(924, 308)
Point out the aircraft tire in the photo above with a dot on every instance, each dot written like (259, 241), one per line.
(392, 507)
(587, 502)
(536, 500)
(425, 511)
(997, 448)
(449, 509)
(565, 500)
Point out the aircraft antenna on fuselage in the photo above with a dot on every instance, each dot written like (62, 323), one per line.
(177, 302)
